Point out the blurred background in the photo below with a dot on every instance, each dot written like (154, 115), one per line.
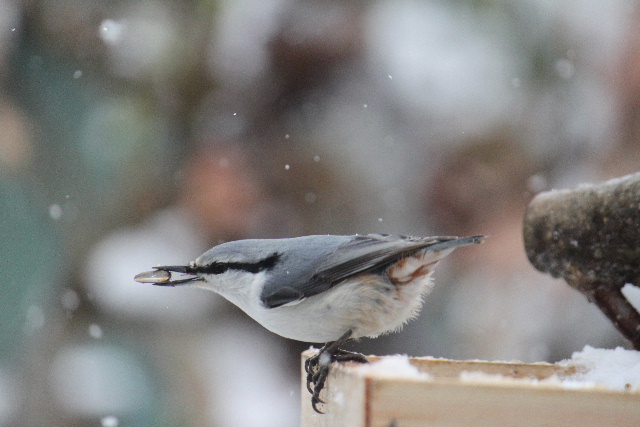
(134, 134)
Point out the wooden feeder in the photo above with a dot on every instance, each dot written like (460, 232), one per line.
(359, 397)
(589, 236)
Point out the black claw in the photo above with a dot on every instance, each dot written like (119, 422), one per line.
(317, 372)
(313, 405)
(307, 364)
(309, 382)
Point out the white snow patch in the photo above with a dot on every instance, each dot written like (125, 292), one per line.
(396, 366)
(614, 369)
(632, 294)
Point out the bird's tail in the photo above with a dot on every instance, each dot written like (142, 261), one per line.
(455, 242)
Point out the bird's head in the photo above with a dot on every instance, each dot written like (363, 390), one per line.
(223, 269)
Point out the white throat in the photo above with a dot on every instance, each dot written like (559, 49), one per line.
(240, 288)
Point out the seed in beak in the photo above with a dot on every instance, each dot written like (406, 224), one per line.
(155, 276)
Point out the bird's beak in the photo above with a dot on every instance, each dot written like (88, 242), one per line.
(161, 276)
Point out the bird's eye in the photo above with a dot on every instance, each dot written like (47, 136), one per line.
(218, 268)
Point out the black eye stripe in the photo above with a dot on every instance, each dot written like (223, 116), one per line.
(218, 268)
(251, 267)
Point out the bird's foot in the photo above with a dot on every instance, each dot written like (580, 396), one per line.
(317, 367)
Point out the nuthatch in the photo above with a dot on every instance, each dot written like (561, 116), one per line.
(320, 288)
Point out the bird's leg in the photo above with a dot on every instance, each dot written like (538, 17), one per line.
(317, 367)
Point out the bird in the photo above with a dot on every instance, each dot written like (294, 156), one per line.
(321, 288)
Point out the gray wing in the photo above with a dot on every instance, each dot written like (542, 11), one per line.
(360, 254)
